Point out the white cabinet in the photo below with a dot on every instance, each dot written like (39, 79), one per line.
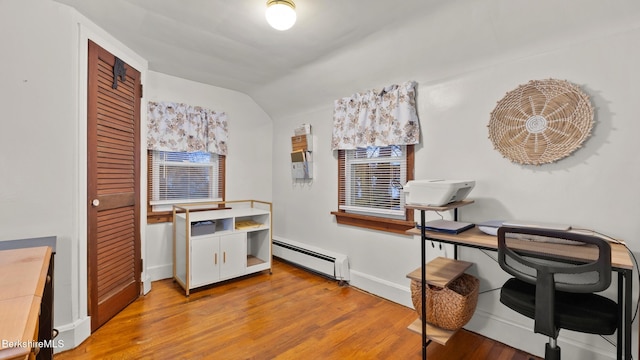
(205, 262)
(215, 245)
(233, 250)
(216, 258)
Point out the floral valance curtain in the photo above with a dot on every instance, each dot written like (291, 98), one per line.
(182, 127)
(376, 118)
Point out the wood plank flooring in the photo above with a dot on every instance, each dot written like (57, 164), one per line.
(290, 314)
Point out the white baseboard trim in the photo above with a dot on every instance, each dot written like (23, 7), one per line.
(154, 273)
(72, 335)
(523, 338)
(383, 288)
(146, 285)
(159, 272)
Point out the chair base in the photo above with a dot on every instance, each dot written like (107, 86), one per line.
(551, 353)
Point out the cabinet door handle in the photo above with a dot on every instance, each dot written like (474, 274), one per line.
(215, 261)
(224, 257)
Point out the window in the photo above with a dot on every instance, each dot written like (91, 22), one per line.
(370, 187)
(183, 177)
(373, 181)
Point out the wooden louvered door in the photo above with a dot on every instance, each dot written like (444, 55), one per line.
(113, 183)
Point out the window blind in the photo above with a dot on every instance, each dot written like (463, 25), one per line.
(184, 177)
(373, 180)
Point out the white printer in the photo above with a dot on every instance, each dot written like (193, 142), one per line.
(436, 192)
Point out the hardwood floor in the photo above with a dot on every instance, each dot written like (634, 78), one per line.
(291, 314)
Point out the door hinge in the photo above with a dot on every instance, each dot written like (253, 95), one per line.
(141, 91)
(141, 264)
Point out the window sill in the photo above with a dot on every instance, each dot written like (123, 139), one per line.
(374, 223)
(160, 217)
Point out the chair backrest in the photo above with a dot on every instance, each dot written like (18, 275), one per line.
(531, 261)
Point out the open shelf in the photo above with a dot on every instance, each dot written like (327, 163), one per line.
(438, 272)
(450, 206)
(436, 334)
(252, 261)
(247, 224)
(258, 246)
(441, 271)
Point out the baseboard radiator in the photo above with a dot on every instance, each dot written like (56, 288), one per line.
(333, 265)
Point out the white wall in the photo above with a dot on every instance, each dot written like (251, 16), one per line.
(38, 139)
(249, 174)
(498, 48)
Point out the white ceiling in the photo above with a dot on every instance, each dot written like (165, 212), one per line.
(338, 47)
(228, 43)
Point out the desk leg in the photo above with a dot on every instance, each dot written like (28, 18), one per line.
(628, 293)
(621, 316)
(423, 318)
(624, 314)
(455, 247)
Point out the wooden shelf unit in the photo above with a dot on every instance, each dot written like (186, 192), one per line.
(439, 272)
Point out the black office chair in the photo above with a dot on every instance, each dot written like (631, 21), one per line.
(557, 292)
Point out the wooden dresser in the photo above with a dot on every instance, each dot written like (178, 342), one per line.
(24, 275)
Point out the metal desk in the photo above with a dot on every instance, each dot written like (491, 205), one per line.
(474, 238)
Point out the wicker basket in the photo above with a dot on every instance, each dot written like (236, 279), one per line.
(451, 307)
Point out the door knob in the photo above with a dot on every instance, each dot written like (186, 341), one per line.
(95, 202)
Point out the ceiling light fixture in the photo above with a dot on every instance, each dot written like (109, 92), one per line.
(281, 14)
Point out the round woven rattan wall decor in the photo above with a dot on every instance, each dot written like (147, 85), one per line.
(541, 122)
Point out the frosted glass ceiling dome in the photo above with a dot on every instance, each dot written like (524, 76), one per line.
(281, 14)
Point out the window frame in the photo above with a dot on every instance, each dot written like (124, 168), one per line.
(154, 217)
(370, 221)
